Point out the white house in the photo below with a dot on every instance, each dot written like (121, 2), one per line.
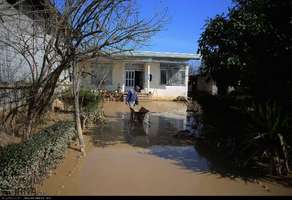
(163, 75)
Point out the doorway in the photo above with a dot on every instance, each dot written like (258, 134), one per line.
(134, 78)
(139, 79)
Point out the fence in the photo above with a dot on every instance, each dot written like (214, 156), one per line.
(12, 102)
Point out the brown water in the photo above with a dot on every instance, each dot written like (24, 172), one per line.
(127, 159)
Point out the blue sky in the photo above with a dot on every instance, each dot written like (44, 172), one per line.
(187, 18)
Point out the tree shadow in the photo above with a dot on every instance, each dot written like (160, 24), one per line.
(284, 181)
(189, 158)
(221, 165)
(196, 156)
(160, 141)
(184, 156)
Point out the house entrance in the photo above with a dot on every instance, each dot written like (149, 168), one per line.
(134, 76)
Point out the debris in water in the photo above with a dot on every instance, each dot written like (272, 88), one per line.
(138, 115)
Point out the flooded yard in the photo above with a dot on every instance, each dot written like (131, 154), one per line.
(131, 159)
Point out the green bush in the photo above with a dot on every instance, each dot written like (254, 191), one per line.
(246, 134)
(25, 164)
(267, 138)
(90, 104)
(89, 100)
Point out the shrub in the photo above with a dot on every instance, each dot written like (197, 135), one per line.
(23, 165)
(248, 135)
(90, 103)
(267, 136)
(89, 100)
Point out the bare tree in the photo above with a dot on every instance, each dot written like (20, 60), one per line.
(76, 90)
(53, 35)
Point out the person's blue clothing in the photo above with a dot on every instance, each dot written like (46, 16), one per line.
(132, 97)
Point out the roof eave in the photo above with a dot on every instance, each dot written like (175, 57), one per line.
(161, 55)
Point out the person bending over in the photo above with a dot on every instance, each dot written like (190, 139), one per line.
(132, 99)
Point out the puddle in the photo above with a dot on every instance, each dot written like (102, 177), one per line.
(158, 128)
(128, 159)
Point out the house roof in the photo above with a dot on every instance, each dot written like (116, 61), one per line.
(33, 9)
(172, 55)
(35, 4)
(150, 56)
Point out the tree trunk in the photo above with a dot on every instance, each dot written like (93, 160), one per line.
(285, 152)
(28, 128)
(30, 116)
(76, 89)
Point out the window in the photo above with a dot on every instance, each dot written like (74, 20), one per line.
(101, 74)
(172, 74)
(163, 77)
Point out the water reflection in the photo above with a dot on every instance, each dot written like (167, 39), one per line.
(156, 133)
(156, 129)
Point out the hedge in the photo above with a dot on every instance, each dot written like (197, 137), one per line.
(24, 165)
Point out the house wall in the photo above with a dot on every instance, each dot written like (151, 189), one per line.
(86, 79)
(159, 92)
(162, 91)
(13, 66)
(117, 75)
(17, 27)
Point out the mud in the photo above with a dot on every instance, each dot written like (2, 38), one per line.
(132, 159)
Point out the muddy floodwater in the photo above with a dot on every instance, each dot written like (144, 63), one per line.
(145, 159)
